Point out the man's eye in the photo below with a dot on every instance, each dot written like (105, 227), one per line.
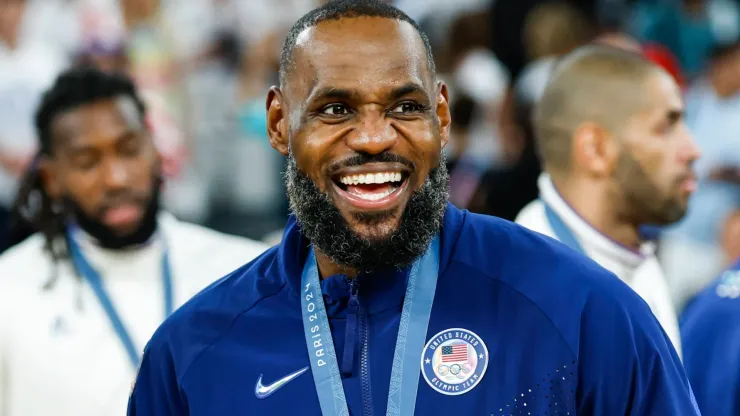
(406, 107)
(85, 161)
(335, 110)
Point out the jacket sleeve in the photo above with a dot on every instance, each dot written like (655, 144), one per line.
(628, 366)
(156, 391)
(710, 330)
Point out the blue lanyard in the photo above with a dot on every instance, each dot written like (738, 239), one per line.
(96, 283)
(562, 232)
(417, 308)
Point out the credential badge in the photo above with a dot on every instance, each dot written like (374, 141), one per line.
(454, 361)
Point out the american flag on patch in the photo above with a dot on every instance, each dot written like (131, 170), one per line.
(455, 353)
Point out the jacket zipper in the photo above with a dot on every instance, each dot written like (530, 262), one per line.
(367, 394)
(350, 334)
(356, 317)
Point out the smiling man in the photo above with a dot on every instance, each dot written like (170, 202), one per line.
(383, 298)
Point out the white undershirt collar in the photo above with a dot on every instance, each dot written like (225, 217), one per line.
(586, 234)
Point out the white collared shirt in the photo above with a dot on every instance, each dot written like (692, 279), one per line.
(59, 354)
(638, 269)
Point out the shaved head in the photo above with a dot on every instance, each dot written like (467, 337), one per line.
(602, 85)
(611, 122)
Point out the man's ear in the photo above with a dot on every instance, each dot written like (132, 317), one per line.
(594, 149)
(49, 178)
(443, 112)
(277, 127)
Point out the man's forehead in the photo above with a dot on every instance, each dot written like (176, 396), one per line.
(663, 95)
(360, 52)
(354, 32)
(106, 117)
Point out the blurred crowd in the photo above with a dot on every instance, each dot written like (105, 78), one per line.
(203, 68)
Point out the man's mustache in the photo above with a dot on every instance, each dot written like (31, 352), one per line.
(119, 198)
(127, 196)
(361, 159)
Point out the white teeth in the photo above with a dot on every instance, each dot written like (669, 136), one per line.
(374, 196)
(382, 177)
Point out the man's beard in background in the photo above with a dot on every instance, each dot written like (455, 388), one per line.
(104, 236)
(646, 202)
(322, 223)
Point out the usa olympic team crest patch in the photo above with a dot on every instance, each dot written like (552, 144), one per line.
(454, 361)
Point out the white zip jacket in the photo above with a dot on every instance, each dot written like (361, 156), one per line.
(59, 354)
(638, 269)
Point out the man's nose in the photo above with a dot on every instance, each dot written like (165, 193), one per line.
(689, 152)
(115, 174)
(373, 134)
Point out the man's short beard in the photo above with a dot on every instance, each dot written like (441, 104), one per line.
(646, 202)
(322, 223)
(106, 237)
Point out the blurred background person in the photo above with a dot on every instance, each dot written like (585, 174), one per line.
(616, 155)
(710, 330)
(106, 265)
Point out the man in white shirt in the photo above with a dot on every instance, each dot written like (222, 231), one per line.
(80, 298)
(617, 155)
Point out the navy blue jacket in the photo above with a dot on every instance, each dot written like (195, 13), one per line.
(562, 336)
(710, 333)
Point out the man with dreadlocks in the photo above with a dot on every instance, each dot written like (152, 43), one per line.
(80, 298)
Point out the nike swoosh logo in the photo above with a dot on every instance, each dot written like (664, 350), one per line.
(263, 392)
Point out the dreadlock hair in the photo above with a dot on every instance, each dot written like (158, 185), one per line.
(73, 88)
